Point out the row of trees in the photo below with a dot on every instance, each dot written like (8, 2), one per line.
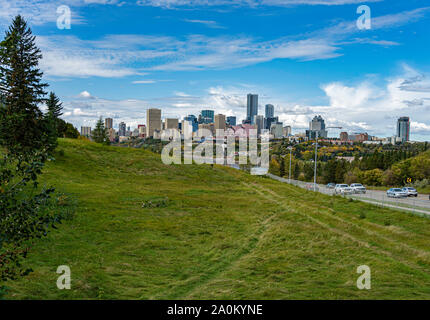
(415, 169)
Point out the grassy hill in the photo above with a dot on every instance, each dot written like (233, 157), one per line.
(215, 233)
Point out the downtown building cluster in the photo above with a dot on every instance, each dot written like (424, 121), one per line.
(208, 120)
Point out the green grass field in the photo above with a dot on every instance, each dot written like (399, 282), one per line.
(218, 234)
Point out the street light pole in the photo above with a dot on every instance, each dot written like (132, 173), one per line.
(289, 171)
(316, 155)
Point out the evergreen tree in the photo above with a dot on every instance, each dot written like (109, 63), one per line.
(52, 121)
(21, 121)
(66, 130)
(55, 107)
(99, 134)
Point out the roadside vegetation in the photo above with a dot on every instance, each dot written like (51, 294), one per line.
(374, 166)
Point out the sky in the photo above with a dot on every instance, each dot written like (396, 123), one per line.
(306, 57)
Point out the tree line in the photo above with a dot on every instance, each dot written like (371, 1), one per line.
(380, 166)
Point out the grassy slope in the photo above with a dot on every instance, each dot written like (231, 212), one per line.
(224, 234)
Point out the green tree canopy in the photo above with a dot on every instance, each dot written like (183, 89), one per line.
(21, 121)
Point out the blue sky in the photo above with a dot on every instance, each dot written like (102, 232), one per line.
(306, 57)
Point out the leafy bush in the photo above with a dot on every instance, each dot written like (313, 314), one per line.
(23, 210)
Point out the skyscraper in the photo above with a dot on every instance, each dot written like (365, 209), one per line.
(259, 121)
(122, 129)
(317, 125)
(404, 129)
(194, 122)
(231, 121)
(269, 121)
(153, 121)
(252, 107)
(220, 122)
(207, 116)
(172, 123)
(270, 111)
(108, 123)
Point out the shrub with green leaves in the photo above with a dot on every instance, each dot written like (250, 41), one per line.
(23, 217)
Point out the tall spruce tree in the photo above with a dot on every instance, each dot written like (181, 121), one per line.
(55, 107)
(21, 121)
(99, 134)
(52, 120)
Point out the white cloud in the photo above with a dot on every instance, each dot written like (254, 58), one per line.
(250, 3)
(85, 95)
(37, 12)
(208, 23)
(420, 127)
(342, 96)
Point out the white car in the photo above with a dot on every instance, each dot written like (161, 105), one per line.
(358, 188)
(396, 193)
(412, 192)
(343, 189)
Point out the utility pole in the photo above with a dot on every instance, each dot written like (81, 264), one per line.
(316, 155)
(289, 171)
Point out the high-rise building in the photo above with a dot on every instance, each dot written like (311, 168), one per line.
(193, 119)
(206, 126)
(404, 129)
(153, 121)
(142, 130)
(252, 107)
(207, 116)
(187, 128)
(172, 123)
(122, 129)
(231, 121)
(269, 121)
(316, 126)
(276, 130)
(220, 122)
(108, 123)
(287, 131)
(259, 122)
(270, 111)
(86, 131)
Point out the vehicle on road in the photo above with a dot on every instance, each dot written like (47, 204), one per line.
(343, 189)
(396, 193)
(358, 188)
(412, 192)
(310, 187)
(330, 186)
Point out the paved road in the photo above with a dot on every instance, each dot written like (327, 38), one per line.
(421, 203)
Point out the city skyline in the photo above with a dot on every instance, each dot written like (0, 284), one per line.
(210, 120)
(303, 58)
